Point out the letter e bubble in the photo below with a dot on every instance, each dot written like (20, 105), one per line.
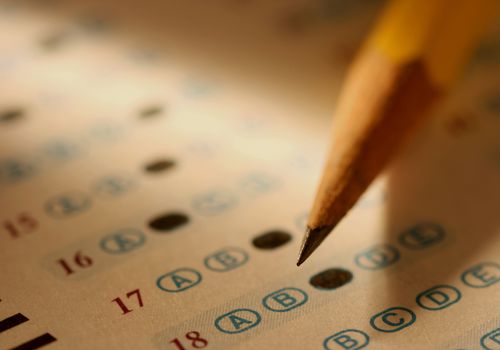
(285, 299)
(377, 257)
(393, 319)
(226, 259)
(237, 321)
(422, 236)
(491, 340)
(178, 280)
(482, 275)
(438, 297)
(348, 339)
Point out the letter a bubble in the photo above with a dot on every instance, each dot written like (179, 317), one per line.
(178, 280)
(237, 321)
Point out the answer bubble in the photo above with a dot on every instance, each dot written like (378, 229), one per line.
(151, 112)
(226, 259)
(214, 202)
(112, 186)
(348, 339)
(491, 340)
(377, 257)
(168, 222)
(438, 297)
(16, 169)
(67, 205)
(271, 240)
(237, 321)
(179, 280)
(422, 235)
(123, 241)
(393, 319)
(11, 114)
(159, 165)
(285, 299)
(482, 275)
(330, 279)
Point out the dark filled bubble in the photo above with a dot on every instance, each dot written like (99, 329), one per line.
(151, 112)
(11, 114)
(159, 165)
(168, 222)
(332, 278)
(271, 239)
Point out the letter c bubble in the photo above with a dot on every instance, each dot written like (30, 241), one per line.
(393, 319)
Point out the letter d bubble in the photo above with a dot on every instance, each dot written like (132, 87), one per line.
(438, 297)
(348, 339)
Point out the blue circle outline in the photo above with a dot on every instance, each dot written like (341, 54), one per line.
(136, 230)
(439, 237)
(462, 276)
(367, 337)
(481, 341)
(218, 319)
(240, 250)
(159, 279)
(86, 204)
(304, 294)
(417, 299)
(234, 201)
(397, 256)
(374, 317)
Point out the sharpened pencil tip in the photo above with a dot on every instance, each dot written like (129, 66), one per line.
(312, 239)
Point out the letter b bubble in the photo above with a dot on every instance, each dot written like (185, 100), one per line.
(178, 280)
(491, 340)
(393, 319)
(226, 259)
(482, 275)
(377, 257)
(348, 339)
(438, 297)
(237, 321)
(285, 299)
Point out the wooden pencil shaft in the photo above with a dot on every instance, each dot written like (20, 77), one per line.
(381, 103)
(412, 57)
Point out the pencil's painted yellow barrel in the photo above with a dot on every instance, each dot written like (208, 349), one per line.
(441, 33)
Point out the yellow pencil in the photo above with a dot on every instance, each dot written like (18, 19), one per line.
(412, 57)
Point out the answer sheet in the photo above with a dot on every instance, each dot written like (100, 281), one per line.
(158, 160)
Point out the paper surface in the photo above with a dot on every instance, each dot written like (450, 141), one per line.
(151, 151)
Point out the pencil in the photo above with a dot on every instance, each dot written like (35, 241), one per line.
(414, 54)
